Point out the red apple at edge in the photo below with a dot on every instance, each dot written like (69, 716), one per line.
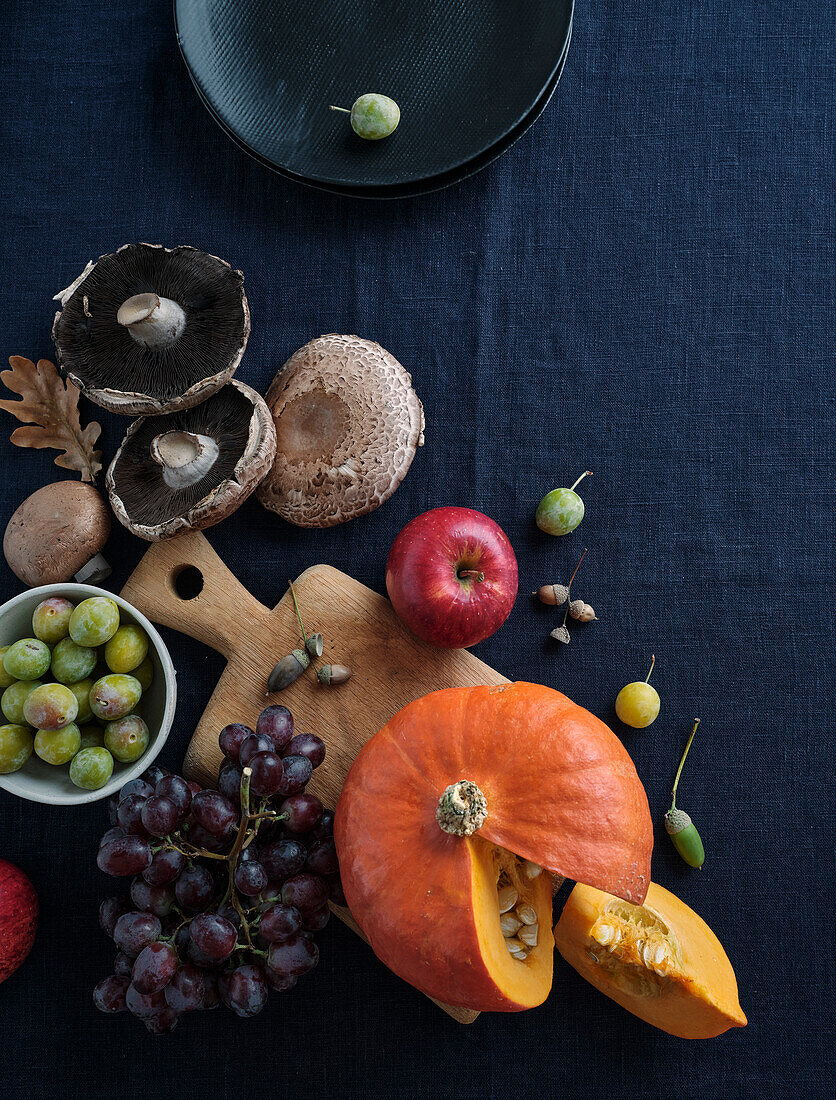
(452, 577)
(18, 918)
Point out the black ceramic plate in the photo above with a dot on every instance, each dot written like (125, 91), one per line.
(466, 73)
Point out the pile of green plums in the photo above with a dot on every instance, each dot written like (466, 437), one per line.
(70, 693)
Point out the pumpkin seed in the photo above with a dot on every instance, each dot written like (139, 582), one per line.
(603, 934)
(507, 897)
(515, 946)
(510, 924)
(531, 870)
(529, 934)
(526, 914)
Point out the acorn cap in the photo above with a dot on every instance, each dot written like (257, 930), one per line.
(57, 533)
(348, 423)
(150, 329)
(191, 469)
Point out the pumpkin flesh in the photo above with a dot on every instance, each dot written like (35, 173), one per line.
(561, 792)
(660, 960)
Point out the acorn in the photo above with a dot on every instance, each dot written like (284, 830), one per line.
(314, 644)
(288, 670)
(333, 674)
(555, 595)
(678, 824)
(583, 612)
(560, 634)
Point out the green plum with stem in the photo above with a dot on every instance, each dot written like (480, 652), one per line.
(561, 510)
(373, 116)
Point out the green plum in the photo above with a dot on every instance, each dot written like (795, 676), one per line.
(127, 738)
(91, 768)
(5, 679)
(81, 690)
(51, 619)
(373, 116)
(27, 659)
(72, 662)
(15, 747)
(50, 707)
(127, 649)
(92, 736)
(94, 621)
(58, 746)
(145, 674)
(561, 510)
(114, 696)
(14, 698)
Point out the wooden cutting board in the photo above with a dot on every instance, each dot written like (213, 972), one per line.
(391, 667)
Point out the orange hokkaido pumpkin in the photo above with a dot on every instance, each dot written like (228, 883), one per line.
(659, 960)
(447, 818)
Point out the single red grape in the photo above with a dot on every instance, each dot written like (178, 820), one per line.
(186, 990)
(280, 922)
(283, 858)
(214, 813)
(154, 968)
(267, 773)
(129, 814)
(160, 815)
(126, 855)
(252, 744)
(134, 931)
(164, 867)
(316, 921)
(195, 887)
(213, 935)
(307, 892)
(322, 858)
(154, 774)
(244, 990)
(250, 878)
(109, 994)
(309, 745)
(293, 957)
(229, 781)
(230, 740)
(277, 723)
(135, 786)
(177, 789)
(302, 811)
(324, 828)
(280, 982)
(112, 834)
(110, 911)
(144, 1005)
(199, 837)
(158, 900)
(296, 772)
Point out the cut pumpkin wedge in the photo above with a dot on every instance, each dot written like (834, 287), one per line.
(659, 960)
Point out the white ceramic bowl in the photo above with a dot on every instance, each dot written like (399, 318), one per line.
(40, 782)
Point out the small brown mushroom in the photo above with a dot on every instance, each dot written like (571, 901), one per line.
(57, 533)
(190, 469)
(150, 330)
(348, 423)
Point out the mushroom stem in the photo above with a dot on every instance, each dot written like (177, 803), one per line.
(97, 569)
(152, 321)
(184, 457)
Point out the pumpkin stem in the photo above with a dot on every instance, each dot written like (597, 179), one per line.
(461, 809)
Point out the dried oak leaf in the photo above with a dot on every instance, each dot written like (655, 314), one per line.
(49, 409)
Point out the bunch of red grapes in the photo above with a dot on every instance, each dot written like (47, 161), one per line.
(229, 886)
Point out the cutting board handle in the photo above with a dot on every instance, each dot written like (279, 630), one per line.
(221, 611)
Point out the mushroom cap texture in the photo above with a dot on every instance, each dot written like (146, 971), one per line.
(56, 531)
(102, 358)
(348, 423)
(238, 419)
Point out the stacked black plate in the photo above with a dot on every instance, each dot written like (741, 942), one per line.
(470, 77)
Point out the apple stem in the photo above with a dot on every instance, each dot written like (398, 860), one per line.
(586, 473)
(471, 573)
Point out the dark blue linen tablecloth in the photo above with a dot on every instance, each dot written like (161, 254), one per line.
(642, 286)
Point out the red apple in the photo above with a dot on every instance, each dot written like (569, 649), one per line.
(18, 918)
(452, 576)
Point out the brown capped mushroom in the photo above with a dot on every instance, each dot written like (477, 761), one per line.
(149, 329)
(348, 423)
(57, 533)
(191, 469)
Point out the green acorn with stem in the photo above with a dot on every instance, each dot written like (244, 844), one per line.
(680, 827)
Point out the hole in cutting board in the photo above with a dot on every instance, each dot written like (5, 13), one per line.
(188, 582)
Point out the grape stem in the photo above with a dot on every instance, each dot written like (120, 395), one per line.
(681, 763)
(240, 842)
(190, 851)
(577, 567)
